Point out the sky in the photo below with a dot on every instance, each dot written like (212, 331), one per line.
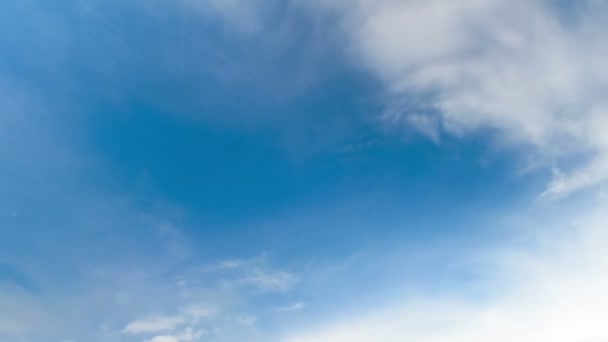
(303, 171)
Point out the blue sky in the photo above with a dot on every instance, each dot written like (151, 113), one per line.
(297, 171)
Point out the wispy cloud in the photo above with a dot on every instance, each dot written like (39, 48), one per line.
(154, 324)
(245, 16)
(193, 323)
(185, 326)
(292, 307)
(254, 273)
(531, 71)
(213, 302)
(187, 335)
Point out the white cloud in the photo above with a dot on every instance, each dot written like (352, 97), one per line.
(227, 288)
(182, 327)
(273, 281)
(292, 307)
(189, 334)
(254, 273)
(525, 69)
(553, 290)
(152, 324)
(160, 323)
(194, 323)
(164, 338)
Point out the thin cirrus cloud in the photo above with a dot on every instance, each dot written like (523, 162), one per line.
(154, 324)
(215, 301)
(252, 273)
(181, 327)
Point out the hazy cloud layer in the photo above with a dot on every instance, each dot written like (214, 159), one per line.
(552, 288)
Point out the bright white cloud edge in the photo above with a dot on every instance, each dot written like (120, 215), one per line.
(527, 71)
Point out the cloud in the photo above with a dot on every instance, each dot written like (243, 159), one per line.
(515, 68)
(164, 338)
(214, 301)
(244, 16)
(267, 280)
(184, 326)
(552, 289)
(292, 307)
(194, 323)
(189, 334)
(530, 72)
(55, 176)
(154, 324)
(254, 273)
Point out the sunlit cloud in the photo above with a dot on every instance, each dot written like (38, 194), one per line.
(532, 73)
